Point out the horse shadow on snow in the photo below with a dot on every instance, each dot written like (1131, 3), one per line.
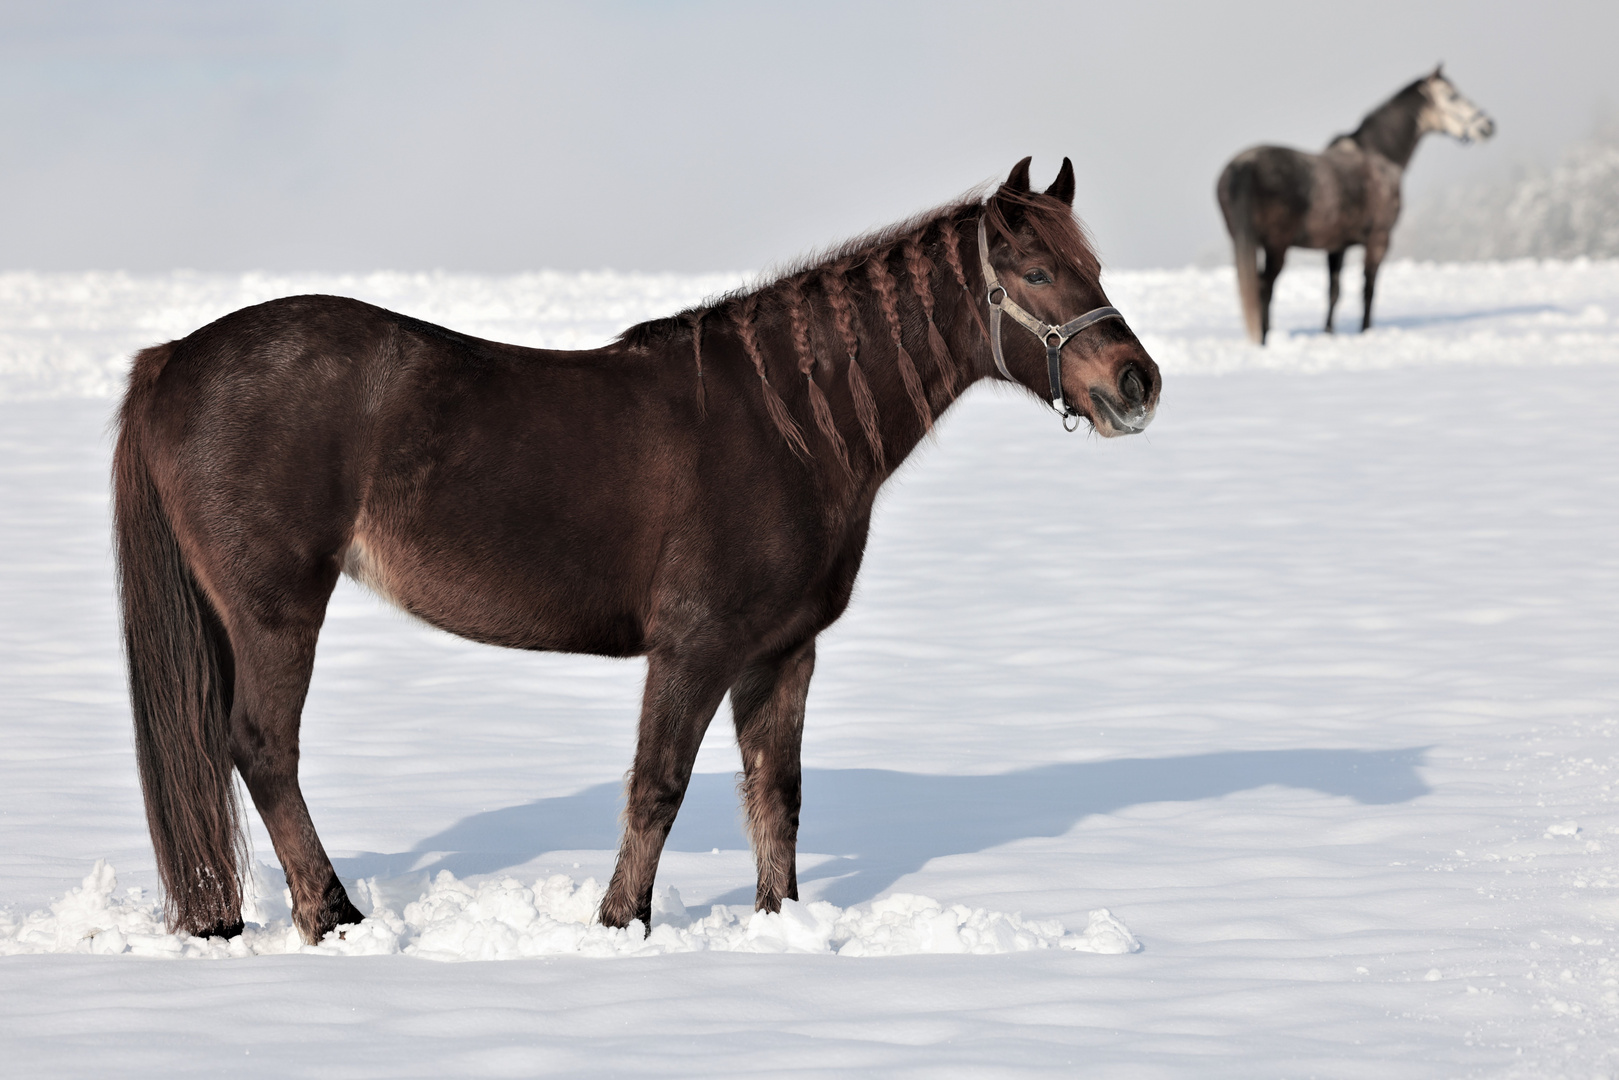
(885, 824)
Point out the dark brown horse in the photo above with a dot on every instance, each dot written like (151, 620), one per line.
(698, 492)
(1274, 197)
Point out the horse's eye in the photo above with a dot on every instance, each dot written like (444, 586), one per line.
(1037, 277)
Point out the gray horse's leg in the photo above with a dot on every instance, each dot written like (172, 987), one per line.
(1376, 248)
(1274, 257)
(1335, 265)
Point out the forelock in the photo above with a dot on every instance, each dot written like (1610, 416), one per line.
(1051, 224)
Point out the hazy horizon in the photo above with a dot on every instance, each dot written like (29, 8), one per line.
(497, 137)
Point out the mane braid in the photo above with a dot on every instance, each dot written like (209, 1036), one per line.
(844, 316)
(744, 318)
(798, 318)
(952, 255)
(920, 269)
(695, 318)
(883, 282)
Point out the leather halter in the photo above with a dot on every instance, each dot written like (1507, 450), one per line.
(1053, 337)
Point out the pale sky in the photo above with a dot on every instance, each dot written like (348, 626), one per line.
(707, 136)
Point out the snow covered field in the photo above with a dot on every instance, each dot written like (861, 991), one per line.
(1314, 687)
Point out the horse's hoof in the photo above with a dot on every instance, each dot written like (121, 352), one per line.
(620, 915)
(335, 910)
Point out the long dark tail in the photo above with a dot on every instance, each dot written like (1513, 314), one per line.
(1238, 201)
(180, 685)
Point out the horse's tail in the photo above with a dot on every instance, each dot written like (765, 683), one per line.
(1237, 200)
(180, 685)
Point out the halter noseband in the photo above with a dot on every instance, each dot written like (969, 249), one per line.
(1053, 337)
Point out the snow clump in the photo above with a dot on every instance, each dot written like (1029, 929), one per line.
(506, 920)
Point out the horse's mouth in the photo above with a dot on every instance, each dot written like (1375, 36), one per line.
(1116, 420)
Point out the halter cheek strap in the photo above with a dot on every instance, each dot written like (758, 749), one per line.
(1053, 337)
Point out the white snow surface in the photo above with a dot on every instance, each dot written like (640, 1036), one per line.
(1278, 741)
(500, 919)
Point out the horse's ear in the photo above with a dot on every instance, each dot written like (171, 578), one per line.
(1438, 71)
(1018, 178)
(1062, 188)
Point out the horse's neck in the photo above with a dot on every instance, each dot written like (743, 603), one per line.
(1391, 130)
(964, 339)
(963, 313)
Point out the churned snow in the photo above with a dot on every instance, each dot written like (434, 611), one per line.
(502, 919)
(1278, 741)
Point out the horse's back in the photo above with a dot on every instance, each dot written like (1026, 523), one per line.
(1329, 200)
(521, 497)
(293, 394)
(317, 433)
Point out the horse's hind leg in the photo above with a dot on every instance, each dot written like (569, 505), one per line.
(768, 703)
(274, 644)
(682, 692)
(1274, 257)
(1335, 265)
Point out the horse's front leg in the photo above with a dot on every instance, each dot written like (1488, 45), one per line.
(682, 692)
(768, 704)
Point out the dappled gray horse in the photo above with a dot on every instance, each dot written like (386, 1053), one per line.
(1274, 197)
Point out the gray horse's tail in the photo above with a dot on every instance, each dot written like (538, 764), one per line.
(1237, 200)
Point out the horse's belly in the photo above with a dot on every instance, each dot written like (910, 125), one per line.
(519, 608)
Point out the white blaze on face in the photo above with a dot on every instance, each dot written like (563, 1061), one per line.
(1449, 113)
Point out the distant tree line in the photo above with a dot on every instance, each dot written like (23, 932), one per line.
(1564, 212)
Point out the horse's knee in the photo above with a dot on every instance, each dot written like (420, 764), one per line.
(653, 802)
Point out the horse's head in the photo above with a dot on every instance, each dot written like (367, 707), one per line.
(1446, 111)
(1044, 263)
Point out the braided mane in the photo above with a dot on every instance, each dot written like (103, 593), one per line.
(898, 270)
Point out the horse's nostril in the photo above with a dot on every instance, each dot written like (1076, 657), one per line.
(1131, 388)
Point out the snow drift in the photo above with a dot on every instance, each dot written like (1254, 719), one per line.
(502, 919)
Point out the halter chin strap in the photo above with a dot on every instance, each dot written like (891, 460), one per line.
(1053, 337)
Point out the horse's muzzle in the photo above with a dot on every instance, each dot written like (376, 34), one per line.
(1128, 408)
(1117, 418)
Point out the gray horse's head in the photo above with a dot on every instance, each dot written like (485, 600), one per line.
(1448, 112)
